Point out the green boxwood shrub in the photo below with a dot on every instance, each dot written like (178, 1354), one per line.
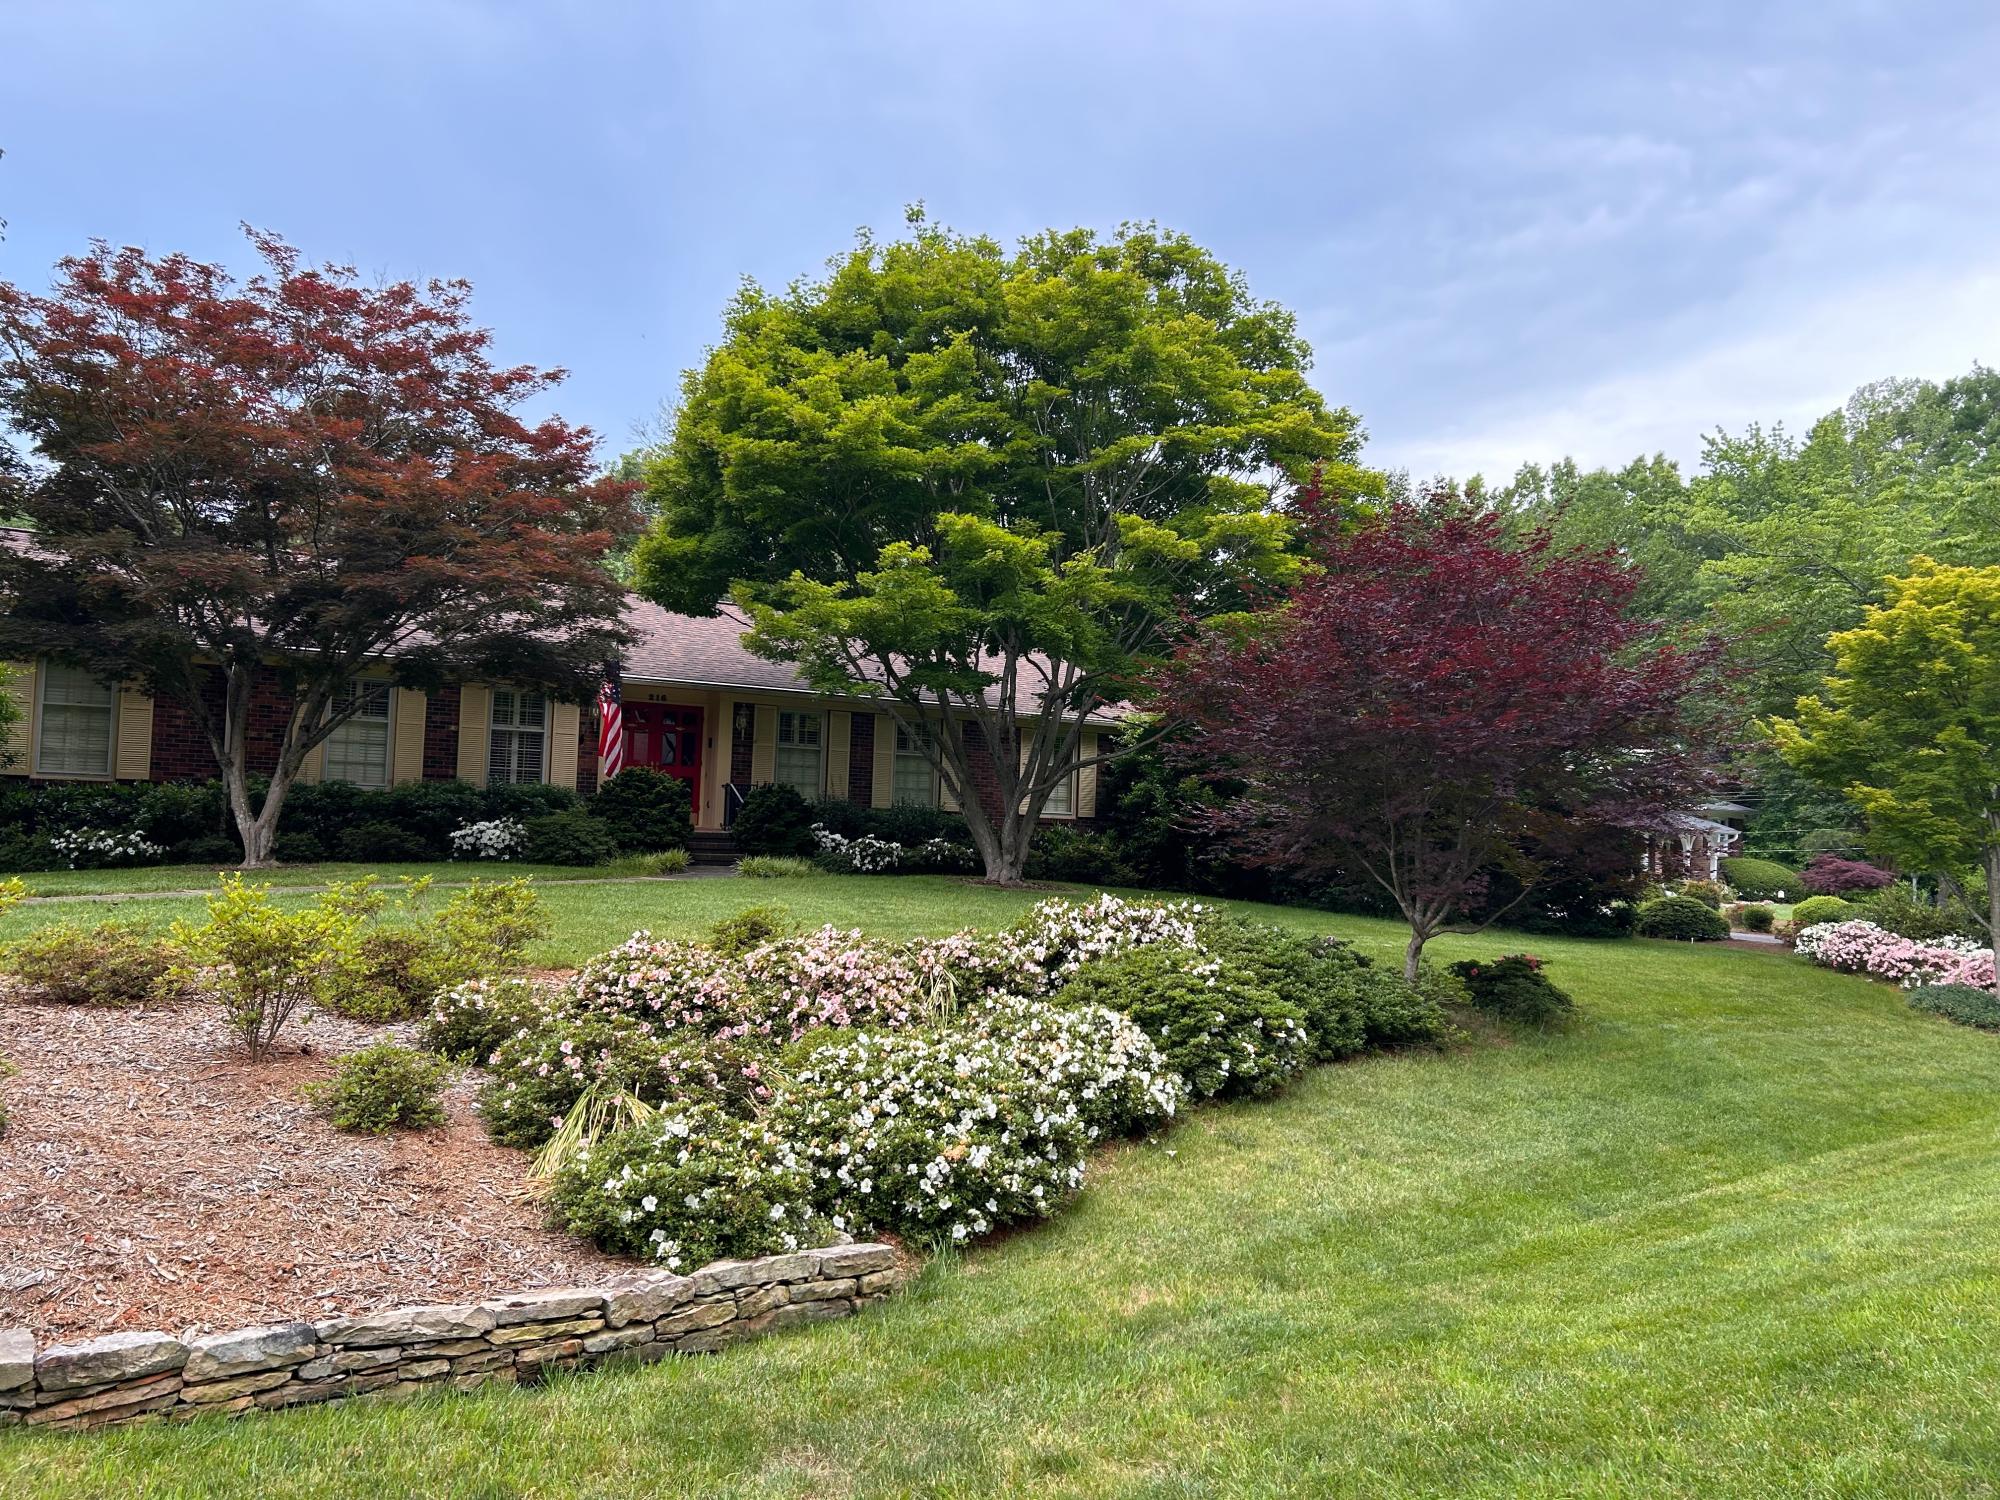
(382, 1088)
(1709, 893)
(568, 838)
(1959, 1002)
(1060, 852)
(1222, 1031)
(1682, 918)
(1817, 909)
(1757, 917)
(752, 927)
(1323, 980)
(774, 819)
(1761, 879)
(646, 810)
(1514, 988)
(110, 964)
(379, 842)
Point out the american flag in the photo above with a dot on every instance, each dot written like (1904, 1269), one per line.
(610, 729)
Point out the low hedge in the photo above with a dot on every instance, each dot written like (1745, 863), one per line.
(1959, 1002)
(1682, 918)
(1761, 879)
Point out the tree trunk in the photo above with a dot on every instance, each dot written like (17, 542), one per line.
(1993, 901)
(1413, 955)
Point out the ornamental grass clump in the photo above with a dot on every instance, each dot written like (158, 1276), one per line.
(383, 1088)
(1225, 1034)
(939, 1136)
(537, 1075)
(691, 1185)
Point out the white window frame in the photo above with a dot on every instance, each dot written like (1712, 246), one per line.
(1066, 789)
(41, 765)
(350, 729)
(791, 723)
(494, 728)
(909, 751)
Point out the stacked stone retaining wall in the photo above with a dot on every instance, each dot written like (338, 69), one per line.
(130, 1377)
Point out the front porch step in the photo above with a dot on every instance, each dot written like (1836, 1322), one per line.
(712, 847)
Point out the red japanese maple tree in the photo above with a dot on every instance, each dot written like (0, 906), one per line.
(1430, 694)
(296, 472)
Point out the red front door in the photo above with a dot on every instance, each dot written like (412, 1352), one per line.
(666, 737)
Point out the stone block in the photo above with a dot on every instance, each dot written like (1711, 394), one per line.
(491, 1359)
(876, 1282)
(426, 1369)
(229, 1390)
(728, 1275)
(114, 1359)
(17, 1359)
(559, 1352)
(403, 1325)
(223, 1356)
(549, 1304)
(823, 1291)
(702, 1315)
(535, 1333)
(754, 1300)
(141, 1395)
(852, 1260)
(645, 1299)
(619, 1338)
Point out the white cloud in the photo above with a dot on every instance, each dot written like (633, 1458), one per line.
(1792, 364)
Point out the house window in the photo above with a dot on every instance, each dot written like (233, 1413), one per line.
(358, 751)
(77, 710)
(915, 782)
(799, 752)
(517, 745)
(1062, 799)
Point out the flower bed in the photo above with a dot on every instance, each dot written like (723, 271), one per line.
(1864, 948)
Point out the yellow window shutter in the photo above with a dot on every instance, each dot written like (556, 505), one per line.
(882, 776)
(20, 686)
(475, 704)
(839, 752)
(764, 747)
(407, 756)
(133, 760)
(1086, 779)
(564, 722)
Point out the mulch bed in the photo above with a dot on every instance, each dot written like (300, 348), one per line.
(152, 1177)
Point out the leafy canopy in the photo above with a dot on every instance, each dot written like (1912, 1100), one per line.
(989, 487)
(1438, 697)
(1908, 723)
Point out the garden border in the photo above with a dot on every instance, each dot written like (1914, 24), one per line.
(515, 1337)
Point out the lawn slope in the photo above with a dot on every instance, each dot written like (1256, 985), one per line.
(1736, 1234)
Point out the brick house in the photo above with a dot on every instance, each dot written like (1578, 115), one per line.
(697, 705)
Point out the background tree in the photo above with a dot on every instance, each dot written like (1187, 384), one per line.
(1438, 698)
(296, 472)
(987, 488)
(1908, 726)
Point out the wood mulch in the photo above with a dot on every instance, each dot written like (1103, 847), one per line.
(152, 1177)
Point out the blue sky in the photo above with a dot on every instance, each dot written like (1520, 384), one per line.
(1510, 231)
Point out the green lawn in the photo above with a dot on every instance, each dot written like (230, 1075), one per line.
(1738, 1233)
(199, 877)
